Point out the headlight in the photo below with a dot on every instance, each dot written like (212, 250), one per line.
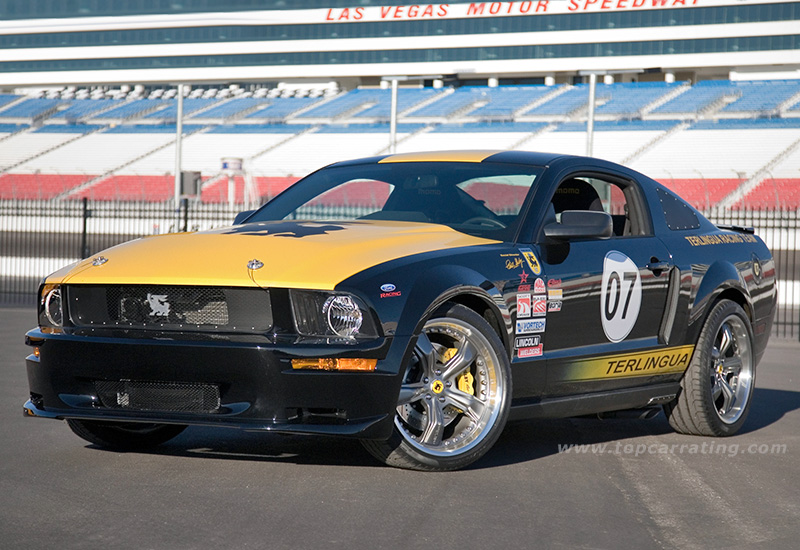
(51, 307)
(343, 315)
(329, 315)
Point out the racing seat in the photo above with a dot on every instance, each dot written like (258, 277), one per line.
(575, 194)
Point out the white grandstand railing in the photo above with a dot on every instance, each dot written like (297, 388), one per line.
(17, 133)
(49, 149)
(422, 104)
(402, 139)
(646, 110)
(652, 143)
(758, 176)
(13, 103)
(783, 107)
(518, 145)
(109, 173)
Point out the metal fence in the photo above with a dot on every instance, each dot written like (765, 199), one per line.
(39, 237)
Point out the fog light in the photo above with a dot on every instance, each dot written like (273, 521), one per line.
(325, 363)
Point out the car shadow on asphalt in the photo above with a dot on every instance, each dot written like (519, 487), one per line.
(769, 406)
(521, 441)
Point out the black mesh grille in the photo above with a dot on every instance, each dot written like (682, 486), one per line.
(162, 307)
(158, 396)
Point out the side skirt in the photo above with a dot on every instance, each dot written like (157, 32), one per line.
(593, 403)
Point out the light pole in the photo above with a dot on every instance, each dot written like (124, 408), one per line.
(178, 137)
(592, 97)
(393, 115)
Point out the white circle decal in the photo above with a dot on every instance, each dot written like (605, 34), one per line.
(621, 295)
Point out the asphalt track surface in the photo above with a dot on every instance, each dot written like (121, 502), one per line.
(636, 484)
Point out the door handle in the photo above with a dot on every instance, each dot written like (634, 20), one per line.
(657, 267)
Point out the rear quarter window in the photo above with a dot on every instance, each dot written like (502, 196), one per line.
(678, 214)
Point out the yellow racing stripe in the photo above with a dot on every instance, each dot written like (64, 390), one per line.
(664, 361)
(440, 156)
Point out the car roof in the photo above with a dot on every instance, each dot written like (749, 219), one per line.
(510, 157)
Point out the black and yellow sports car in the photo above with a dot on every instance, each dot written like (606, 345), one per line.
(416, 302)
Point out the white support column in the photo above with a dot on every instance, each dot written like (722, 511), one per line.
(178, 138)
(590, 121)
(393, 120)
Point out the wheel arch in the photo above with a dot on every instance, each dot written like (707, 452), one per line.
(721, 281)
(463, 286)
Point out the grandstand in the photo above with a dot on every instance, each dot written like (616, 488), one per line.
(124, 148)
(702, 97)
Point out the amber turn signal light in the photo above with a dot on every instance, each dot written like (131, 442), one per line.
(335, 364)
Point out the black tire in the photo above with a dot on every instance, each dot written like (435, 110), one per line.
(459, 377)
(717, 388)
(124, 436)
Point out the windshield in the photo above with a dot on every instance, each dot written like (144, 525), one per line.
(481, 199)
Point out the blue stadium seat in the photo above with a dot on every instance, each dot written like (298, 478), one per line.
(282, 108)
(32, 108)
(232, 108)
(131, 109)
(190, 105)
(343, 104)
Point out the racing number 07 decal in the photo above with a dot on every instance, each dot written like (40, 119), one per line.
(620, 296)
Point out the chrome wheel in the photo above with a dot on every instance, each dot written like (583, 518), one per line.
(716, 389)
(732, 370)
(452, 391)
(454, 396)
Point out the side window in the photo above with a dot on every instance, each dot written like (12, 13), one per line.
(619, 199)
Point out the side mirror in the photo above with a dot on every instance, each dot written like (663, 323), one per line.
(242, 216)
(580, 224)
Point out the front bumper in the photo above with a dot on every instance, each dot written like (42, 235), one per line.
(257, 387)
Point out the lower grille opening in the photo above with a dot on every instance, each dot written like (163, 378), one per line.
(158, 396)
(316, 415)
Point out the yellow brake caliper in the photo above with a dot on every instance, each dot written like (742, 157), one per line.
(465, 380)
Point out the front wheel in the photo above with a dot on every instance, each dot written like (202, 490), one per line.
(717, 387)
(454, 398)
(124, 436)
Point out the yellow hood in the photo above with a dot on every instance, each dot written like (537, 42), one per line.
(294, 254)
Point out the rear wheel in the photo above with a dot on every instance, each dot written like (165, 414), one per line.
(718, 385)
(124, 436)
(455, 396)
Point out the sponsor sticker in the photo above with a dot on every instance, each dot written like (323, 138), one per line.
(535, 351)
(524, 288)
(554, 283)
(648, 363)
(554, 306)
(539, 306)
(555, 293)
(388, 287)
(538, 286)
(523, 277)
(527, 341)
(531, 326)
(523, 305)
(533, 262)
